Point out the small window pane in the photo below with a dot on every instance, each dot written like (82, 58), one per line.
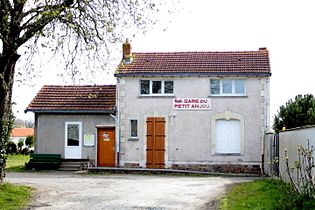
(226, 86)
(168, 87)
(144, 87)
(215, 86)
(73, 135)
(156, 87)
(133, 128)
(240, 86)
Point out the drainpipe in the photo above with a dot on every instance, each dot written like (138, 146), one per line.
(117, 146)
(117, 124)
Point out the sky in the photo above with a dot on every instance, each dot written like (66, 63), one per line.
(285, 27)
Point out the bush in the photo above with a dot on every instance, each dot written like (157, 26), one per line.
(26, 151)
(20, 145)
(11, 148)
(303, 184)
(29, 141)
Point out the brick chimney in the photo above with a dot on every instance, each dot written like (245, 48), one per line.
(264, 50)
(126, 49)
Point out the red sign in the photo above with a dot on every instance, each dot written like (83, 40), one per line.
(192, 104)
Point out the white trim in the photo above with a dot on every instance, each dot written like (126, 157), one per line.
(76, 150)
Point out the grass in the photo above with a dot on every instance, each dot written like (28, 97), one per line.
(257, 195)
(14, 197)
(16, 163)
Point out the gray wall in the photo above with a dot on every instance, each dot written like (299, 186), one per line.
(290, 140)
(50, 132)
(188, 133)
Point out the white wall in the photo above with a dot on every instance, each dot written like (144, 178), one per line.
(188, 133)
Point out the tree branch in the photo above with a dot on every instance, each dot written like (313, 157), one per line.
(44, 17)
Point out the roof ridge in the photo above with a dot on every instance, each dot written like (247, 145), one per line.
(79, 85)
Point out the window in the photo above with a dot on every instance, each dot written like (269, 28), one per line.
(73, 134)
(144, 86)
(239, 86)
(227, 87)
(168, 87)
(159, 88)
(227, 136)
(156, 87)
(215, 86)
(133, 129)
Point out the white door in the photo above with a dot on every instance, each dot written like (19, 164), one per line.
(73, 140)
(227, 136)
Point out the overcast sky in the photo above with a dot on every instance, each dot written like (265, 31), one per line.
(285, 27)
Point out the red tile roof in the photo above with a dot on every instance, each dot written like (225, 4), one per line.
(22, 132)
(199, 63)
(74, 99)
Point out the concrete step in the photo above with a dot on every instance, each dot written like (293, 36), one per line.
(70, 166)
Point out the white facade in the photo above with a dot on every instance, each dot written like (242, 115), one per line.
(191, 135)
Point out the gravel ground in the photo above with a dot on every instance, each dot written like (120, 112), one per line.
(60, 190)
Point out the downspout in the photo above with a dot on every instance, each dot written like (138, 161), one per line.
(36, 124)
(117, 125)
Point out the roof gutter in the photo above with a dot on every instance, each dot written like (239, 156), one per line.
(70, 111)
(190, 74)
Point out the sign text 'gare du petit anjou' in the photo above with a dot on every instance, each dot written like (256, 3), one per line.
(192, 104)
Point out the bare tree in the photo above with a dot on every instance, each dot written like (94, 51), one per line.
(79, 26)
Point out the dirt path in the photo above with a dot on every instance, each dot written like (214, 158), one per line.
(56, 190)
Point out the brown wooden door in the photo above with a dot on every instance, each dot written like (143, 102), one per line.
(155, 142)
(106, 147)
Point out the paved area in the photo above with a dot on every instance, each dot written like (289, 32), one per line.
(60, 190)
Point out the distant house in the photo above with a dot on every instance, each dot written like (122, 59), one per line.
(20, 134)
(77, 122)
(184, 110)
(193, 110)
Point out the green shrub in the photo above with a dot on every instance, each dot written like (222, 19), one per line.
(20, 145)
(304, 184)
(11, 148)
(29, 141)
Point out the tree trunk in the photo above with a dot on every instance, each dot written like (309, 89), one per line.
(8, 62)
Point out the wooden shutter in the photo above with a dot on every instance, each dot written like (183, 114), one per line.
(227, 136)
